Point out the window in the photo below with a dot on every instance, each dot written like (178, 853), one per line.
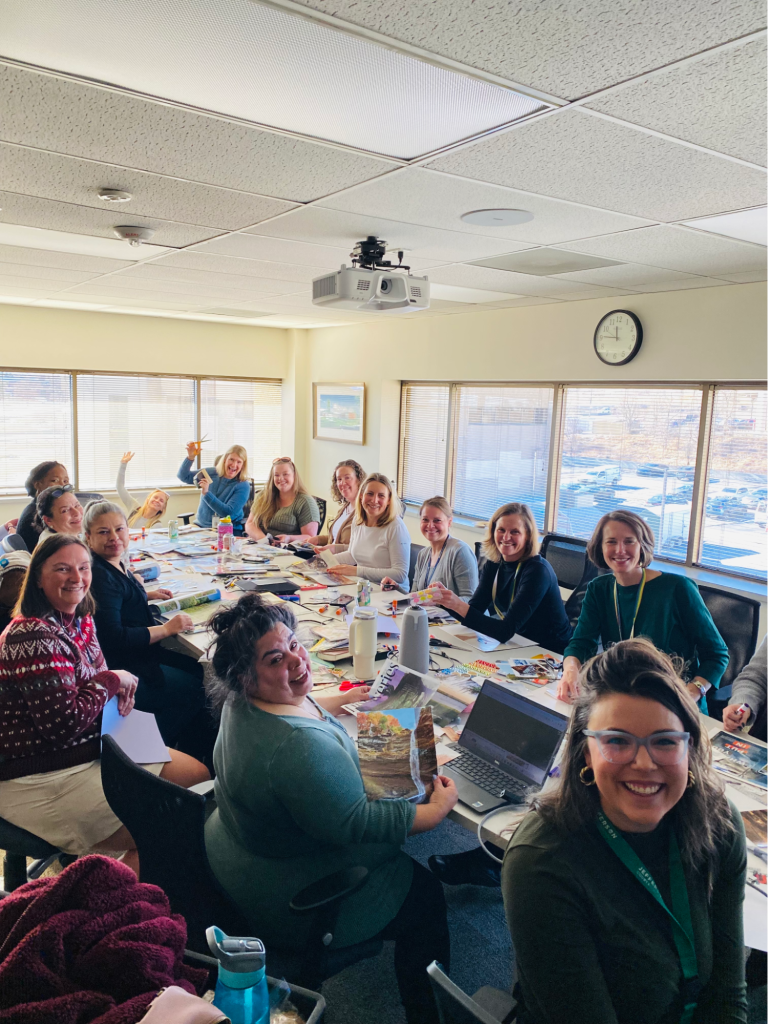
(632, 448)
(734, 523)
(151, 416)
(35, 425)
(424, 441)
(245, 412)
(502, 448)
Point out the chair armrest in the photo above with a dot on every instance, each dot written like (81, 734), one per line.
(329, 890)
(185, 517)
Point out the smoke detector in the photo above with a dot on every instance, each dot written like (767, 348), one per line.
(114, 195)
(134, 235)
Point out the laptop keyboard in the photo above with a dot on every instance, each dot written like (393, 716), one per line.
(486, 776)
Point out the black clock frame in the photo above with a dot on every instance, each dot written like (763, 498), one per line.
(636, 347)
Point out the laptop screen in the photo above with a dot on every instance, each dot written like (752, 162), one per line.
(514, 733)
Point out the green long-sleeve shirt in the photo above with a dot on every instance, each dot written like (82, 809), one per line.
(672, 615)
(291, 809)
(591, 943)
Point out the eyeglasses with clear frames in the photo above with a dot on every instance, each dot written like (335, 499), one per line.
(664, 748)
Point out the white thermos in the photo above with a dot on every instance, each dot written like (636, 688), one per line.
(414, 640)
(362, 642)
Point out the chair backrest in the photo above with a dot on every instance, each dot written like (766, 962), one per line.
(13, 542)
(85, 496)
(454, 1006)
(481, 559)
(415, 549)
(567, 556)
(322, 505)
(166, 822)
(576, 598)
(737, 619)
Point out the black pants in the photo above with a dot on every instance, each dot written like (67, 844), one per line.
(179, 705)
(420, 931)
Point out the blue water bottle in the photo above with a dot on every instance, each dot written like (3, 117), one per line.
(241, 989)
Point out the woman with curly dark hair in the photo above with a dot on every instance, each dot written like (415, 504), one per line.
(345, 483)
(624, 889)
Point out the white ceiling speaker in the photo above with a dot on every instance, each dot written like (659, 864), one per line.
(133, 235)
(114, 195)
(496, 218)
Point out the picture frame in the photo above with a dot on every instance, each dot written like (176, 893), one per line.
(338, 412)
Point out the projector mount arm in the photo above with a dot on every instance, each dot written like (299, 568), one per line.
(369, 255)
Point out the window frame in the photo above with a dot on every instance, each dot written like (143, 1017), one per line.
(692, 559)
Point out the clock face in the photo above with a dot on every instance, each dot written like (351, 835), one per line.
(618, 337)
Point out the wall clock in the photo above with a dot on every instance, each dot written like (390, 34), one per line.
(618, 337)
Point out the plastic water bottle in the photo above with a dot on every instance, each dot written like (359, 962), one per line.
(173, 529)
(241, 989)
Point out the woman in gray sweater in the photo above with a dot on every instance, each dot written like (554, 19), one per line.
(445, 559)
(749, 688)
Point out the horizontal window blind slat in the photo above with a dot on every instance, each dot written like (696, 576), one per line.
(35, 425)
(425, 441)
(244, 412)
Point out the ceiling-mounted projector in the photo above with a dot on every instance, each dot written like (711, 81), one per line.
(372, 284)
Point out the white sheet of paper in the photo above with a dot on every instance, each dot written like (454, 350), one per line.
(470, 640)
(384, 624)
(136, 734)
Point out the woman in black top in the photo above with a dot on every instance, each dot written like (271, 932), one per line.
(170, 684)
(44, 475)
(518, 588)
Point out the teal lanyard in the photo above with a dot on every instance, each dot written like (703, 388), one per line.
(680, 915)
(499, 612)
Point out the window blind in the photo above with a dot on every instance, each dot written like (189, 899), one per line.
(35, 425)
(631, 448)
(151, 416)
(245, 412)
(502, 448)
(424, 441)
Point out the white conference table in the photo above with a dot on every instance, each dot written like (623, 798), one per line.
(501, 826)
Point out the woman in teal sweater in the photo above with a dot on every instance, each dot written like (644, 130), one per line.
(637, 601)
(291, 807)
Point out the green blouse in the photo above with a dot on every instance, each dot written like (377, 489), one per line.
(672, 614)
(302, 510)
(291, 809)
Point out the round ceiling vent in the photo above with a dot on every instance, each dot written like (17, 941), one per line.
(114, 195)
(496, 218)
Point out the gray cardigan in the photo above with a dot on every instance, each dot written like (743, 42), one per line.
(457, 569)
(749, 686)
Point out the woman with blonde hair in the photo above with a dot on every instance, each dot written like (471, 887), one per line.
(228, 489)
(150, 511)
(345, 483)
(284, 508)
(518, 591)
(444, 559)
(380, 545)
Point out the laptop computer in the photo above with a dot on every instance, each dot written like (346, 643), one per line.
(508, 747)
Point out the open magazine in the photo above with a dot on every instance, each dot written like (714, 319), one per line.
(397, 753)
(740, 758)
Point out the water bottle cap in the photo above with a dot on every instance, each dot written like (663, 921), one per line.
(239, 955)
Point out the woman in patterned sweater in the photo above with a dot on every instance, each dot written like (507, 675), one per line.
(54, 683)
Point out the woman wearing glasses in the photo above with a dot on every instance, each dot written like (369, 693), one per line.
(228, 490)
(639, 601)
(284, 508)
(630, 876)
(58, 511)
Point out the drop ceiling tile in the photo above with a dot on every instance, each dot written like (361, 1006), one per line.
(421, 196)
(748, 277)
(45, 213)
(577, 156)
(68, 180)
(24, 270)
(81, 120)
(65, 260)
(343, 230)
(566, 49)
(258, 247)
(544, 262)
(718, 102)
(638, 278)
(144, 302)
(230, 266)
(160, 275)
(466, 276)
(676, 248)
(10, 289)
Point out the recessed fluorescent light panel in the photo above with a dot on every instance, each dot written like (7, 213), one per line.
(266, 66)
(747, 225)
(82, 245)
(544, 262)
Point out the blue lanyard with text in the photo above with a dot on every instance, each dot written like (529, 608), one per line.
(680, 915)
(432, 569)
(499, 612)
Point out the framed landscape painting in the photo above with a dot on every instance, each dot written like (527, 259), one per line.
(339, 412)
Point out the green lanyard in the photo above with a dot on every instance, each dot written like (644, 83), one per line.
(682, 927)
(499, 612)
(637, 606)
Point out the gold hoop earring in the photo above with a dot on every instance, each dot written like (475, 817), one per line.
(583, 779)
(691, 780)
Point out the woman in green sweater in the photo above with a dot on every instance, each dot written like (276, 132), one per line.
(291, 807)
(637, 601)
(638, 830)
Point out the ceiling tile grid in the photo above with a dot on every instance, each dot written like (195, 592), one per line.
(65, 260)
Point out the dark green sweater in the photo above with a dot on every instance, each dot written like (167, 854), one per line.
(592, 945)
(672, 615)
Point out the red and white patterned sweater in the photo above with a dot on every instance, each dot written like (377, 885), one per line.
(54, 683)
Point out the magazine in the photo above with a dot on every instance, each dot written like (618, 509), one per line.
(740, 758)
(396, 688)
(397, 754)
(463, 689)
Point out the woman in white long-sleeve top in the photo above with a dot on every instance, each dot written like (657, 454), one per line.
(380, 545)
(146, 513)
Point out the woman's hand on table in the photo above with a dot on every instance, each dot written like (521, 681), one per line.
(733, 719)
(568, 686)
(446, 598)
(161, 594)
(126, 695)
(179, 623)
(334, 701)
(342, 570)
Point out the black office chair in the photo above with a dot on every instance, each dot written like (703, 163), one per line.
(415, 549)
(487, 1006)
(322, 505)
(85, 496)
(576, 598)
(737, 619)
(167, 825)
(567, 556)
(12, 542)
(19, 844)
